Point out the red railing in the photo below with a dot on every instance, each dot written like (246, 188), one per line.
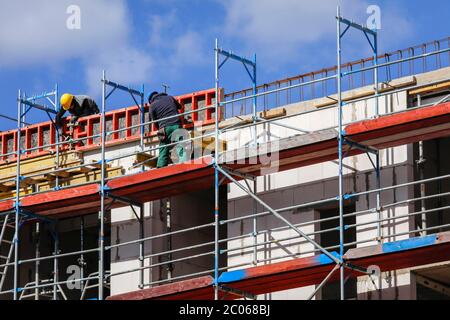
(42, 134)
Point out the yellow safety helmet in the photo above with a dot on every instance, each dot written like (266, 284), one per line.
(66, 101)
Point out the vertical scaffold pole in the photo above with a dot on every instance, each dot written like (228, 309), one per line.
(37, 263)
(101, 238)
(17, 204)
(82, 265)
(141, 246)
(255, 182)
(55, 261)
(377, 114)
(341, 178)
(375, 73)
(142, 111)
(423, 191)
(378, 204)
(255, 101)
(57, 139)
(216, 177)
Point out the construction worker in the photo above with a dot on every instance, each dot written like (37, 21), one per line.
(163, 106)
(78, 106)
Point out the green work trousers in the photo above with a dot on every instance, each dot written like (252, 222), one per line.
(164, 150)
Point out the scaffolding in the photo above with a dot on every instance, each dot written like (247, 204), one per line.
(223, 174)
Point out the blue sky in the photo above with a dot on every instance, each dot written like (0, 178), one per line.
(153, 42)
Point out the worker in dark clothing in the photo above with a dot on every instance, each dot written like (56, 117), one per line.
(163, 106)
(78, 106)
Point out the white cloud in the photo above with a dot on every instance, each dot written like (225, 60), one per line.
(281, 26)
(174, 45)
(281, 30)
(36, 33)
(188, 49)
(122, 64)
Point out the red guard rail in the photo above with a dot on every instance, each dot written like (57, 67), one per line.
(42, 134)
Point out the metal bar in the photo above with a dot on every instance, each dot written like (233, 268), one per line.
(17, 203)
(101, 274)
(335, 76)
(355, 25)
(255, 102)
(216, 176)
(235, 57)
(320, 286)
(169, 266)
(303, 84)
(341, 141)
(211, 253)
(57, 138)
(81, 259)
(276, 214)
(345, 31)
(37, 106)
(121, 87)
(255, 224)
(390, 63)
(237, 292)
(379, 209)
(9, 118)
(223, 62)
(375, 75)
(41, 96)
(409, 50)
(158, 236)
(124, 200)
(359, 146)
(141, 246)
(55, 262)
(328, 200)
(142, 111)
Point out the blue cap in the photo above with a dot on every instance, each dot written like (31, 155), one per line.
(151, 96)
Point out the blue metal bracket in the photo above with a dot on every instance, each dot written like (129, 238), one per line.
(345, 31)
(123, 199)
(123, 88)
(32, 215)
(370, 41)
(37, 106)
(104, 189)
(357, 26)
(348, 196)
(361, 146)
(236, 57)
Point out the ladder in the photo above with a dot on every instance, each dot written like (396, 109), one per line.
(47, 292)
(6, 245)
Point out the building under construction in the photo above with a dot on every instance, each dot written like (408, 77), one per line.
(329, 185)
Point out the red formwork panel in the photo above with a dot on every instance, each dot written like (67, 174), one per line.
(41, 134)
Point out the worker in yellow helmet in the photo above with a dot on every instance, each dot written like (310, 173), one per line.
(77, 106)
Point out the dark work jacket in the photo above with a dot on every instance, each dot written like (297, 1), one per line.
(163, 106)
(82, 106)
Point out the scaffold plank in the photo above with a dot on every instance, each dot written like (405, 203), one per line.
(198, 287)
